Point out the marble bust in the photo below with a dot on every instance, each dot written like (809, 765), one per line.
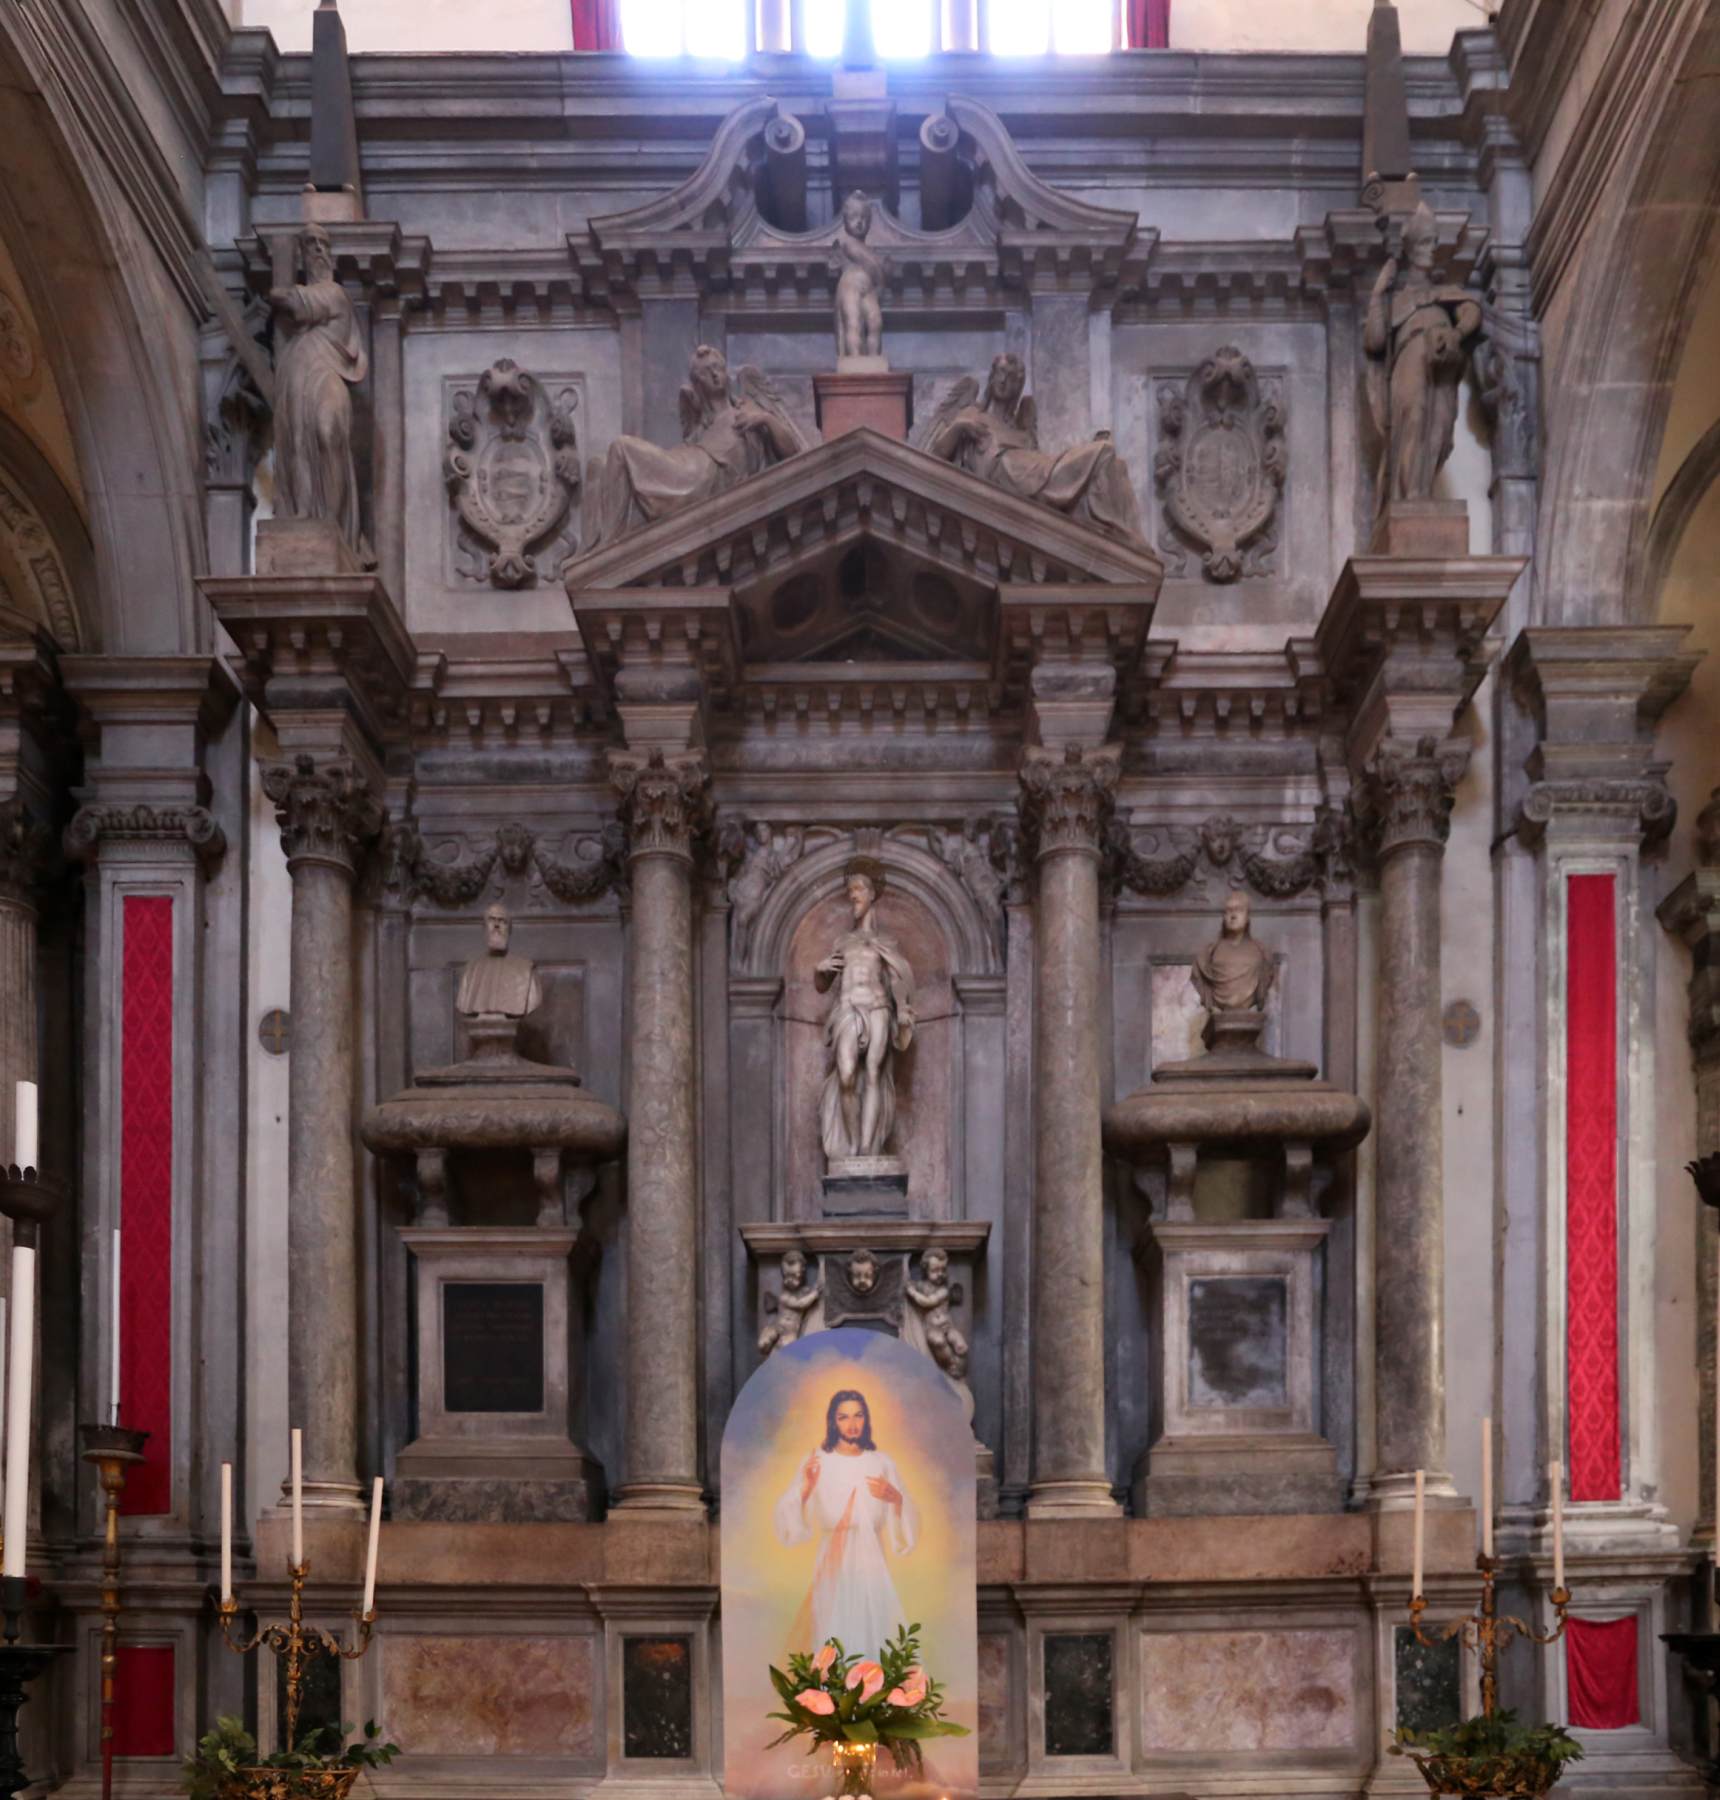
(498, 984)
(1233, 973)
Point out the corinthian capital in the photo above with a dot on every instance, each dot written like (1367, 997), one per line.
(139, 826)
(1407, 793)
(326, 812)
(26, 847)
(665, 803)
(1066, 800)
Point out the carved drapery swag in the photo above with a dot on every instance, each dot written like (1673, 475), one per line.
(452, 873)
(665, 801)
(1066, 800)
(193, 825)
(26, 853)
(1408, 791)
(326, 813)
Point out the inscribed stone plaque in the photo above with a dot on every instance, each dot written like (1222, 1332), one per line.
(1238, 1341)
(492, 1346)
(1078, 1694)
(657, 1696)
(1429, 1682)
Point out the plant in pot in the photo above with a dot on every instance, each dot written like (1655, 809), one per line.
(1491, 1757)
(322, 1766)
(856, 1703)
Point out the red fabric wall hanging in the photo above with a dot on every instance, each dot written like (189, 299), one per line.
(146, 1196)
(1149, 24)
(1591, 1188)
(597, 24)
(143, 1697)
(1600, 1665)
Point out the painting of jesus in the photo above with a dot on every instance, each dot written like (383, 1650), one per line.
(850, 1494)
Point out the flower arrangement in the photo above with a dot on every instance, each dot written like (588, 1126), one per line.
(856, 1703)
(227, 1765)
(1490, 1756)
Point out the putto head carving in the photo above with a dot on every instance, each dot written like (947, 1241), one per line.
(857, 214)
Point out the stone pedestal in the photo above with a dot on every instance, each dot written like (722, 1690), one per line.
(1422, 528)
(864, 393)
(873, 1186)
(494, 1381)
(303, 547)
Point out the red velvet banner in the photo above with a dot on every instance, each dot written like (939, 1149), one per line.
(1600, 1666)
(143, 1697)
(1591, 1188)
(146, 1195)
(1149, 24)
(597, 24)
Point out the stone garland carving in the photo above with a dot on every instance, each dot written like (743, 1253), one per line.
(512, 470)
(665, 801)
(193, 825)
(454, 875)
(976, 856)
(26, 852)
(1220, 468)
(725, 440)
(1335, 849)
(326, 813)
(1408, 793)
(1154, 862)
(760, 855)
(593, 864)
(1066, 800)
(994, 434)
(1277, 862)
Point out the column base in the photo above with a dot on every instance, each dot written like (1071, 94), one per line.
(678, 1499)
(1394, 1491)
(1072, 1500)
(325, 1497)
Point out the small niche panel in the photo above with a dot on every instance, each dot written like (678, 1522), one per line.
(1238, 1341)
(1429, 1682)
(492, 1346)
(657, 1697)
(1078, 1694)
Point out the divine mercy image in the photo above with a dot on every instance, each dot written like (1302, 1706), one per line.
(847, 1515)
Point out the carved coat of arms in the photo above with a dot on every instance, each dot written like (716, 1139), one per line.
(512, 469)
(1220, 467)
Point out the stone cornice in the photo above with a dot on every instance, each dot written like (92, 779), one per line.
(1641, 804)
(1229, 693)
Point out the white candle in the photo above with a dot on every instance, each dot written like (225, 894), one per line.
(1486, 1487)
(19, 1370)
(1557, 1476)
(375, 1534)
(25, 1149)
(226, 1531)
(298, 1498)
(1420, 1529)
(113, 1373)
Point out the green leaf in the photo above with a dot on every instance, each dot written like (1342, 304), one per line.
(861, 1731)
(914, 1729)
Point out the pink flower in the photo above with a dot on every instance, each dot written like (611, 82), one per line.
(869, 1678)
(896, 1697)
(822, 1661)
(912, 1691)
(815, 1700)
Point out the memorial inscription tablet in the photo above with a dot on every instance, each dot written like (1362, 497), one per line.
(492, 1346)
(1238, 1341)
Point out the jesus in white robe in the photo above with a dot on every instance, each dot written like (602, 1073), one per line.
(849, 1491)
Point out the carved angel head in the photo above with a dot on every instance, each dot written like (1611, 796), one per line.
(1006, 383)
(709, 374)
(857, 214)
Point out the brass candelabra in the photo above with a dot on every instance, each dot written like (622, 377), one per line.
(114, 1449)
(1487, 1633)
(296, 1643)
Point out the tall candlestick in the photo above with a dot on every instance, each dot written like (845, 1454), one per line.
(25, 1149)
(226, 1531)
(113, 1372)
(1486, 1487)
(375, 1534)
(1557, 1478)
(1420, 1529)
(20, 1360)
(298, 1498)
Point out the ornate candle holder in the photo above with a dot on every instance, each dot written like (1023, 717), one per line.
(1485, 1632)
(113, 1449)
(20, 1664)
(296, 1643)
(29, 1199)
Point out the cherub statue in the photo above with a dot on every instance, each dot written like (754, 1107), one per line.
(932, 1299)
(860, 283)
(995, 435)
(724, 441)
(1419, 338)
(793, 1307)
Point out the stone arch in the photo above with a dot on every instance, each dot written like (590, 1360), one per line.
(47, 567)
(908, 868)
(111, 319)
(1640, 275)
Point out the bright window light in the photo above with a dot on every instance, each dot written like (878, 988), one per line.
(901, 27)
(822, 21)
(1022, 27)
(709, 28)
(1082, 28)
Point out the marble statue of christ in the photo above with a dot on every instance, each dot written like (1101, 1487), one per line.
(849, 1494)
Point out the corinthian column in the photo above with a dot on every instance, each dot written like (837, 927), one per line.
(1066, 801)
(327, 815)
(663, 805)
(1406, 805)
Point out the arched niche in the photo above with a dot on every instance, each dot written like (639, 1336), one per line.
(953, 951)
(47, 567)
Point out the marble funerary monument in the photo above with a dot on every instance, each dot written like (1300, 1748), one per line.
(647, 710)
